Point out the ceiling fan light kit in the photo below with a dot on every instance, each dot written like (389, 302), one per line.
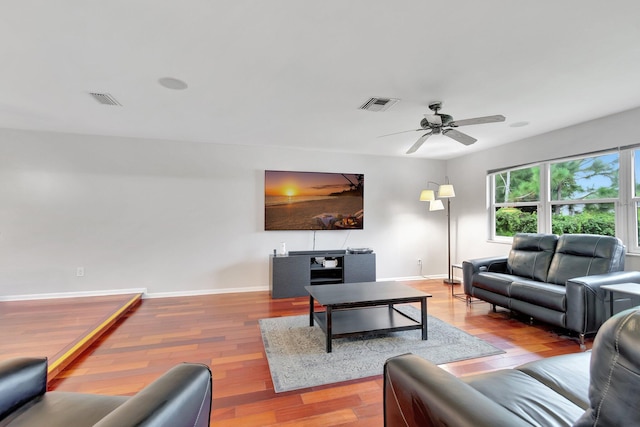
(438, 123)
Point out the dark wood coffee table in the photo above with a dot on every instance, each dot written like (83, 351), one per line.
(365, 308)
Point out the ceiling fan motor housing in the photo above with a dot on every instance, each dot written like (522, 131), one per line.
(445, 118)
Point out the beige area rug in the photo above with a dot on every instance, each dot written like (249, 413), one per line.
(297, 357)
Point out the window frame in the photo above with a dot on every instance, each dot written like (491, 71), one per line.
(493, 205)
(630, 220)
(625, 205)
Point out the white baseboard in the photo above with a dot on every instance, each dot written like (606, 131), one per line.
(266, 288)
(73, 294)
(408, 278)
(205, 292)
(178, 293)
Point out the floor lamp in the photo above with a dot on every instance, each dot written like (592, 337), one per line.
(445, 191)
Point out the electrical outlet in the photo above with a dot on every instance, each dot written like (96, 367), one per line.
(80, 272)
(419, 261)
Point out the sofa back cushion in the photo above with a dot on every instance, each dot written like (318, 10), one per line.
(179, 398)
(22, 379)
(615, 373)
(531, 255)
(585, 255)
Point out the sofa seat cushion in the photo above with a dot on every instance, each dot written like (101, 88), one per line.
(498, 283)
(57, 408)
(539, 293)
(526, 397)
(567, 375)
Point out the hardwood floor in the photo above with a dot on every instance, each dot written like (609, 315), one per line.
(58, 329)
(222, 331)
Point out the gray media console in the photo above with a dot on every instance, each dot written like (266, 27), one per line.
(289, 274)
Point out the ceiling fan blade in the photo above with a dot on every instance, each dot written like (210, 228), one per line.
(434, 119)
(477, 121)
(459, 136)
(419, 143)
(398, 133)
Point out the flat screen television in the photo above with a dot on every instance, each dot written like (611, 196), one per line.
(313, 201)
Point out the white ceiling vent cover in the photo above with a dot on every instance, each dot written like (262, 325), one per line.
(104, 98)
(378, 104)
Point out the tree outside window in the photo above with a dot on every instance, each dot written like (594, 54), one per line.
(588, 188)
(516, 200)
(582, 195)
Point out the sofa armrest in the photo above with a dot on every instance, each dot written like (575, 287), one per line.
(21, 380)
(419, 393)
(496, 264)
(179, 398)
(586, 308)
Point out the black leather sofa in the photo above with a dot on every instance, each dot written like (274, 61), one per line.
(593, 388)
(553, 279)
(179, 398)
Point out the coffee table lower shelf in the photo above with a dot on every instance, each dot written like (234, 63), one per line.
(365, 321)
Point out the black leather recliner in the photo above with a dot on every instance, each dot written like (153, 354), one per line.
(179, 398)
(594, 388)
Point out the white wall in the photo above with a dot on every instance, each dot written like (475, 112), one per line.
(188, 217)
(468, 174)
(185, 217)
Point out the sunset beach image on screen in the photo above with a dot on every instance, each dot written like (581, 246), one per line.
(313, 200)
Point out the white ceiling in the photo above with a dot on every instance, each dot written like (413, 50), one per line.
(293, 73)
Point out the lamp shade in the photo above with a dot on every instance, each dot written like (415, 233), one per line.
(446, 190)
(427, 196)
(436, 205)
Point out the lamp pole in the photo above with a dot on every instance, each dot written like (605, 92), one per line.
(449, 280)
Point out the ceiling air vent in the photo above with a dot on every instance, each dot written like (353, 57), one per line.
(378, 104)
(104, 98)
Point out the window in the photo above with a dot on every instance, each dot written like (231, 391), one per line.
(583, 195)
(516, 201)
(579, 195)
(635, 202)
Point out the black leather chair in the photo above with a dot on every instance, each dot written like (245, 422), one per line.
(179, 398)
(594, 388)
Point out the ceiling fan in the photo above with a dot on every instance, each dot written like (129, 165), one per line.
(444, 124)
